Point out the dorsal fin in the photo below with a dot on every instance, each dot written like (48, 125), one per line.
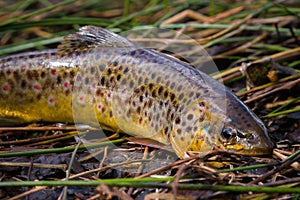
(89, 37)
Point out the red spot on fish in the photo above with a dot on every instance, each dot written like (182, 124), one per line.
(99, 106)
(66, 84)
(124, 91)
(51, 101)
(5, 88)
(36, 87)
(94, 85)
(53, 72)
(81, 98)
(134, 103)
(23, 68)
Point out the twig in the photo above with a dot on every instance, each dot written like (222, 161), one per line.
(277, 169)
(282, 87)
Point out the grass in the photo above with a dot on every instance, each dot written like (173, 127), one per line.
(258, 32)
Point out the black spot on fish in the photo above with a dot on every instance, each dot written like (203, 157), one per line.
(153, 93)
(146, 80)
(188, 129)
(58, 80)
(35, 74)
(92, 70)
(16, 75)
(172, 85)
(180, 97)
(23, 84)
(150, 103)
(8, 72)
(179, 88)
(138, 110)
(132, 53)
(131, 84)
(190, 116)
(140, 80)
(84, 63)
(124, 81)
(177, 120)
(153, 75)
(172, 97)
(39, 96)
(72, 74)
(158, 79)
(43, 74)
(118, 77)
(194, 129)
(179, 131)
(166, 129)
(166, 93)
(141, 98)
(201, 118)
(29, 75)
(109, 71)
(151, 86)
(102, 67)
(160, 90)
(67, 92)
(66, 74)
(126, 70)
(98, 92)
(87, 80)
(102, 81)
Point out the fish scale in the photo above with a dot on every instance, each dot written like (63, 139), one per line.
(97, 77)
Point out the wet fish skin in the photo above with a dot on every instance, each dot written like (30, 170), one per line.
(97, 77)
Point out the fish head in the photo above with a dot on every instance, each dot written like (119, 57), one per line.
(229, 125)
(243, 132)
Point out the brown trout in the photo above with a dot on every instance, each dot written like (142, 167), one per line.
(97, 74)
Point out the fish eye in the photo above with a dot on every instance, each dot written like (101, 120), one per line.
(229, 133)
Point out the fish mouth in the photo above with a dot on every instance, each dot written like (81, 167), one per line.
(247, 148)
(255, 152)
(263, 148)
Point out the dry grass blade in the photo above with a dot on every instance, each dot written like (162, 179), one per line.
(235, 34)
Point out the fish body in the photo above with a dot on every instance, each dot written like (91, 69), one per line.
(97, 77)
